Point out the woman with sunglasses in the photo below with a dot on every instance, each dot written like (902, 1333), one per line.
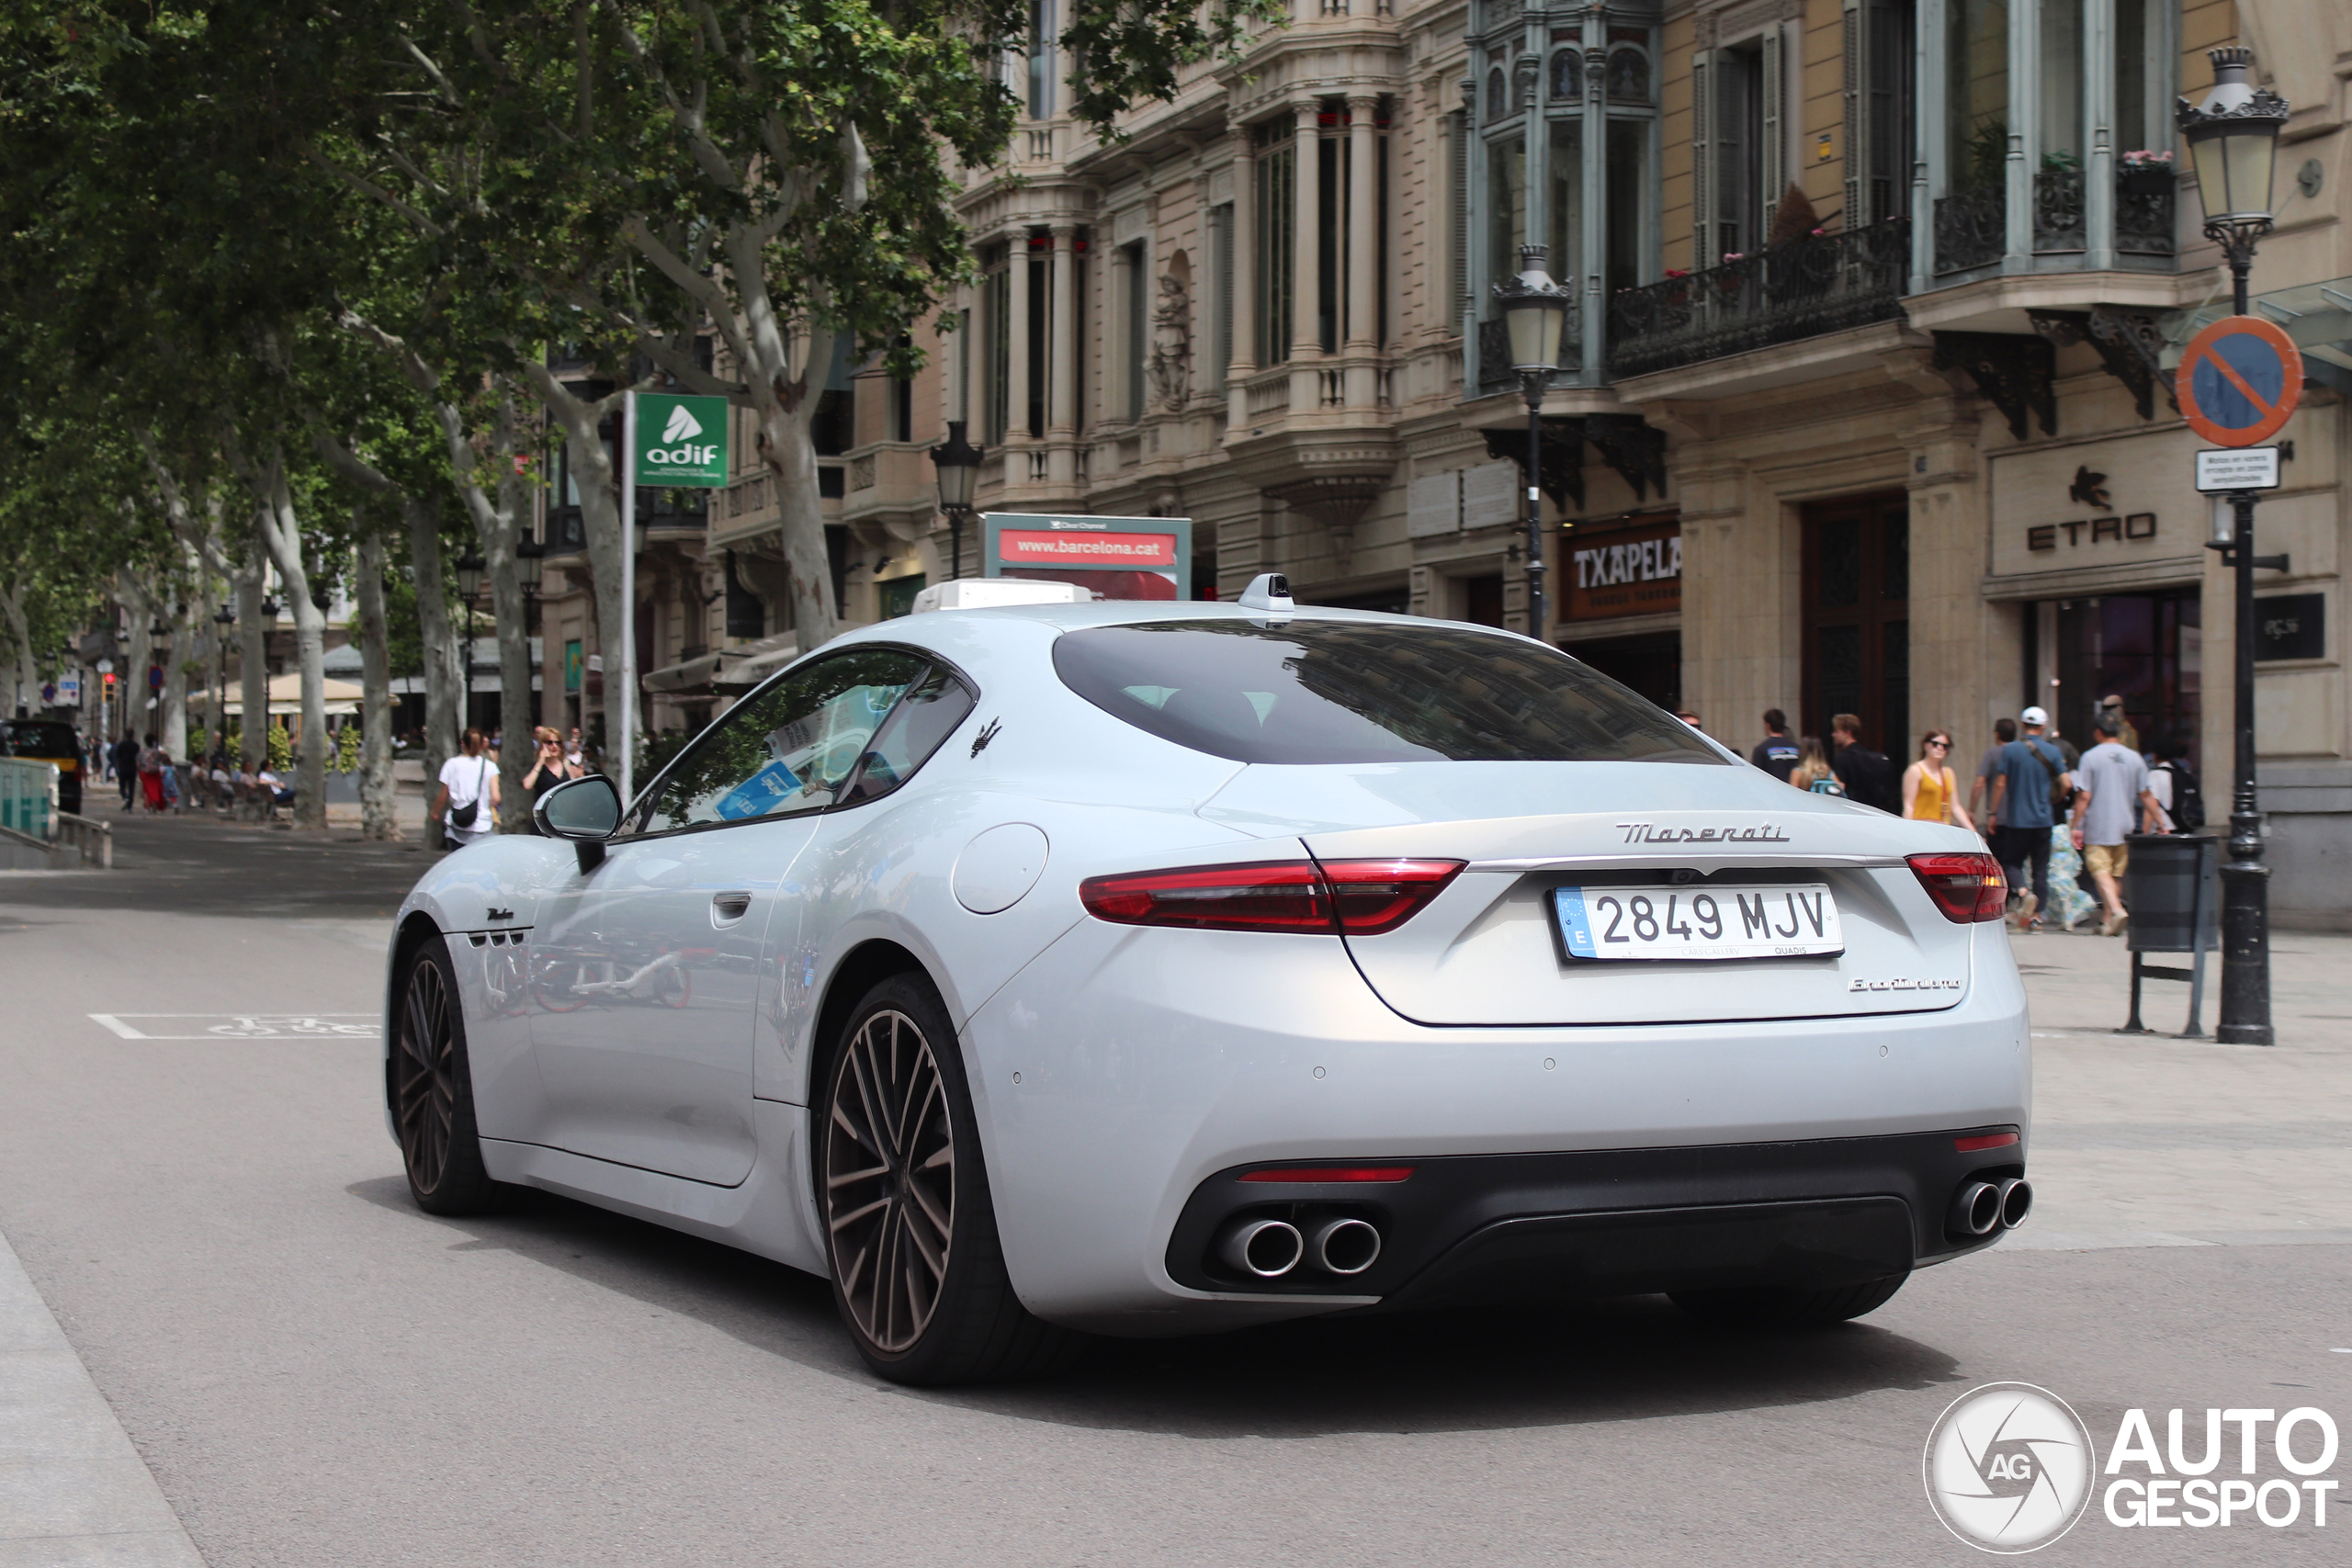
(1930, 794)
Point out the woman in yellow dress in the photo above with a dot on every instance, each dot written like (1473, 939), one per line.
(1929, 792)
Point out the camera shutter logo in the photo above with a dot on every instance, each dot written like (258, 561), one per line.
(2008, 1468)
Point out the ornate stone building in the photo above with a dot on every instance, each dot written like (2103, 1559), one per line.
(1864, 405)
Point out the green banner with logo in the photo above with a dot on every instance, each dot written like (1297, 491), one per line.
(681, 440)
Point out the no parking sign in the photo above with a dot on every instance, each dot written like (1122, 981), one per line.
(2239, 381)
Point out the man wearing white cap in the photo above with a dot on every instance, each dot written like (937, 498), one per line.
(2031, 779)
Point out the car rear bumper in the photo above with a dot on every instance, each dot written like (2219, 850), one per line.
(1124, 1073)
(1482, 1228)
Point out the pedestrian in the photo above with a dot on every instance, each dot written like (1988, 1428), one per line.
(150, 773)
(1812, 773)
(1988, 767)
(2180, 804)
(2026, 797)
(1776, 753)
(1930, 794)
(125, 766)
(549, 768)
(1867, 776)
(2111, 709)
(572, 753)
(2113, 799)
(467, 803)
(1687, 716)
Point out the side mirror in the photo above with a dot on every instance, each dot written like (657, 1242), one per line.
(582, 810)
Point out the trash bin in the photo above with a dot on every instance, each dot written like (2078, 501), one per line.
(2172, 888)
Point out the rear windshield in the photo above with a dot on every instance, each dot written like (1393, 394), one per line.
(1313, 691)
(32, 738)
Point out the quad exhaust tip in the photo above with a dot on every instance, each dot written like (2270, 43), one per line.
(1345, 1246)
(1268, 1248)
(2016, 1201)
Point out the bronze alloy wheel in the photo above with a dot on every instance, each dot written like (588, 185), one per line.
(890, 1179)
(431, 1090)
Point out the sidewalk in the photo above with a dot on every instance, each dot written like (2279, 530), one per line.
(2152, 1141)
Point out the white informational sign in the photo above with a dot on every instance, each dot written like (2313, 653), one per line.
(2240, 467)
(68, 690)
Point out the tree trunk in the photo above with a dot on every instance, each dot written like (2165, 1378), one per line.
(173, 707)
(378, 816)
(27, 680)
(252, 670)
(281, 532)
(443, 668)
(496, 510)
(139, 610)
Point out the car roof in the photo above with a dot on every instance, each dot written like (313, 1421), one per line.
(936, 628)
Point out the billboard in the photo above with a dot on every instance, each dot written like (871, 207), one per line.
(1119, 558)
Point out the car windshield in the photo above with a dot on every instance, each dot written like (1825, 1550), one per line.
(32, 738)
(1315, 691)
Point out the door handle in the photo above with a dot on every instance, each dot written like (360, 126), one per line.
(730, 905)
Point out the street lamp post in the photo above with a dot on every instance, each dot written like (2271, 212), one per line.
(470, 569)
(958, 464)
(1535, 310)
(222, 620)
(2233, 140)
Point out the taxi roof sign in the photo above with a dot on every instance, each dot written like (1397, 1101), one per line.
(2240, 381)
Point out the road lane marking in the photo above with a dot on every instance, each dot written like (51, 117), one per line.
(240, 1025)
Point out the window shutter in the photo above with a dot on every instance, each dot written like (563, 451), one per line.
(1772, 120)
(1859, 150)
(1702, 159)
(1457, 220)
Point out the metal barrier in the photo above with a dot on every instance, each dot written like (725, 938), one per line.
(2173, 889)
(28, 797)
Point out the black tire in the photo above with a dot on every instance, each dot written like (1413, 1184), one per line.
(1770, 1308)
(431, 1090)
(898, 1172)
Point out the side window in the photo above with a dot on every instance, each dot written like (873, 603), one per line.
(927, 716)
(786, 750)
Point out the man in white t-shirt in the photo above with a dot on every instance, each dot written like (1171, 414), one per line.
(2114, 801)
(467, 802)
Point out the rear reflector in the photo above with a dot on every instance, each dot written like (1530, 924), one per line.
(1360, 898)
(1966, 887)
(1309, 1173)
(1989, 1141)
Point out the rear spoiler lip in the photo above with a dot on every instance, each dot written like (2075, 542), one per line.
(1711, 859)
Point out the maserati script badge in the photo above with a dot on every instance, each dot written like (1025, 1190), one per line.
(1651, 833)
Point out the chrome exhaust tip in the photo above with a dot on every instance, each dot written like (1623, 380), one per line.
(1976, 1208)
(2016, 1201)
(1344, 1246)
(1268, 1248)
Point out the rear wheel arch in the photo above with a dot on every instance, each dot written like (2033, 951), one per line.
(865, 966)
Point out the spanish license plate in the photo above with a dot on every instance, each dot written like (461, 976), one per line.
(1784, 920)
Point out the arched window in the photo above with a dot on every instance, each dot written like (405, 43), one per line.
(1629, 76)
(1497, 95)
(1567, 75)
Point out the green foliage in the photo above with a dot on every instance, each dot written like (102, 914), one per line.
(346, 750)
(281, 749)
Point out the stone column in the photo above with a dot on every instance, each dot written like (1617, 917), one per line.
(1061, 408)
(1016, 380)
(1364, 241)
(1244, 303)
(1307, 269)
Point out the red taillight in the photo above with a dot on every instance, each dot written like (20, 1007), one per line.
(1369, 895)
(1308, 1173)
(1988, 1140)
(1965, 887)
(1377, 896)
(1279, 896)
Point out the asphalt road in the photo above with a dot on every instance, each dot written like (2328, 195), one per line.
(318, 1374)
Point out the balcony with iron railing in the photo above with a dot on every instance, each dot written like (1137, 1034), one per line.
(1803, 288)
(1972, 226)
